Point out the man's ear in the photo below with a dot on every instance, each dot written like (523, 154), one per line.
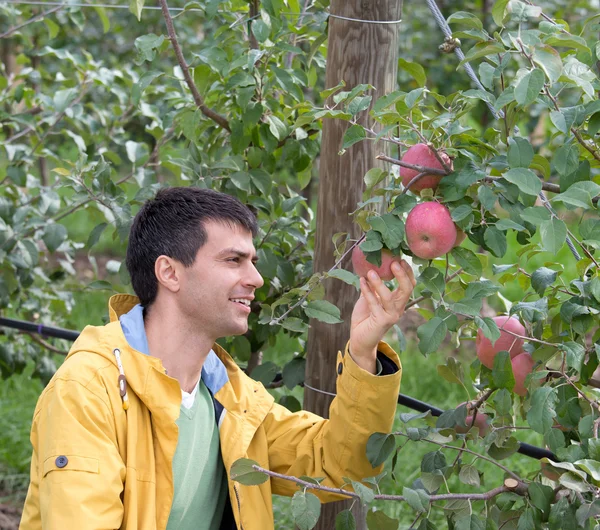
(167, 273)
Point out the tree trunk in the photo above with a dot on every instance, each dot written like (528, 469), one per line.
(358, 52)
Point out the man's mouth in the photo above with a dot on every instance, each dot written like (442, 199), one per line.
(243, 301)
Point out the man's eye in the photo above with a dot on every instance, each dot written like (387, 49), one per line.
(234, 260)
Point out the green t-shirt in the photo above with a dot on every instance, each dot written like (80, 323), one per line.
(198, 472)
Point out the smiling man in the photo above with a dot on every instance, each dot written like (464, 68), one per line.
(139, 427)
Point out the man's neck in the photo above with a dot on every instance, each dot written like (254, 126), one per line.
(181, 348)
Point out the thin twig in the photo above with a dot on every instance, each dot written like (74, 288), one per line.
(276, 321)
(432, 498)
(35, 18)
(420, 169)
(198, 99)
(46, 345)
(414, 180)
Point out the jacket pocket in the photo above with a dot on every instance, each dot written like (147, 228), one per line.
(56, 465)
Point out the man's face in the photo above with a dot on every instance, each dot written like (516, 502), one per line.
(217, 289)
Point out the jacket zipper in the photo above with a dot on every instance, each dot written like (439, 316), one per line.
(237, 498)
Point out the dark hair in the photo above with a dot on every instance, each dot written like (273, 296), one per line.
(172, 224)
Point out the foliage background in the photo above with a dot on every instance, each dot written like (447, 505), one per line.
(95, 117)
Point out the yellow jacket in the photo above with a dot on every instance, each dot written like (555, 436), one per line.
(97, 466)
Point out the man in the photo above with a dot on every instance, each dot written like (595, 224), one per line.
(139, 427)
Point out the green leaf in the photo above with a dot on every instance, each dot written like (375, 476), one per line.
(553, 235)
(468, 260)
(95, 234)
(502, 373)
(103, 18)
(568, 41)
(482, 49)
(542, 412)
(575, 354)
(293, 372)
(548, 59)
(579, 194)
(100, 285)
(414, 69)
(345, 521)
(417, 499)
(525, 179)
(529, 86)
(54, 235)
(587, 511)
(346, 276)
(542, 278)
(323, 311)
(594, 124)
(526, 521)
(489, 328)
(566, 159)
(469, 522)
(462, 212)
(242, 471)
(373, 177)
(535, 215)
(502, 401)
(499, 11)
(380, 521)
(431, 334)
(306, 509)
(554, 439)
(136, 7)
(379, 447)
(520, 153)
(278, 129)
(495, 241)
(541, 496)
(265, 372)
(591, 467)
(359, 104)
(390, 227)
(355, 133)
(452, 371)
(366, 494)
(469, 475)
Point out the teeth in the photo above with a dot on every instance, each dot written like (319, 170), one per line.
(241, 301)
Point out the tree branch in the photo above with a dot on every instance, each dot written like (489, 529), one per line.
(420, 169)
(46, 345)
(35, 18)
(514, 485)
(198, 99)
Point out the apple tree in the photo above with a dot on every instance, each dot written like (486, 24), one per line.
(458, 197)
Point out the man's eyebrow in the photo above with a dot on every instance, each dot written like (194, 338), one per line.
(239, 253)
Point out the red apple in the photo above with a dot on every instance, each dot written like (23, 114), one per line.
(480, 423)
(430, 231)
(522, 366)
(486, 351)
(361, 266)
(421, 155)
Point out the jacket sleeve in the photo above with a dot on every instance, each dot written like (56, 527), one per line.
(303, 443)
(77, 473)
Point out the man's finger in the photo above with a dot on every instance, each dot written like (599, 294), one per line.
(406, 283)
(369, 295)
(378, 287)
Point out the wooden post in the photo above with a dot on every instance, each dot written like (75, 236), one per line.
(358, 52)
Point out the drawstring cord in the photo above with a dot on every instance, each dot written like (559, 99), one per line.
(122, 380)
